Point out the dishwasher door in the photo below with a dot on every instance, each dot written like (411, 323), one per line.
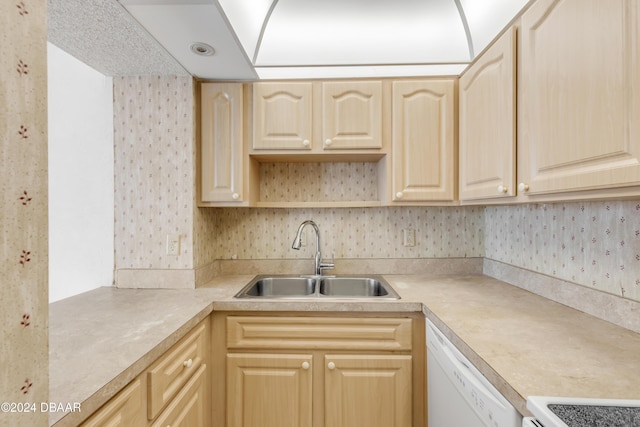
(458, 394)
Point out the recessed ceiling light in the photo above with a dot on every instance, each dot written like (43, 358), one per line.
(202, 49)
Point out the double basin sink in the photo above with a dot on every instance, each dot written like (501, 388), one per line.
(307, 287)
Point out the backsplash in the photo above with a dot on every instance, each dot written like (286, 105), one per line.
(318, 182)
(441, 232)
(594, 244)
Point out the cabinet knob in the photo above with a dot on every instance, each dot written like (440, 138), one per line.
(187, 363)
(331, 366)
(523, 188)
(306, 142)
(305, 365)
(235, 196)
(502, 189)
(399, 195)
(327, 141)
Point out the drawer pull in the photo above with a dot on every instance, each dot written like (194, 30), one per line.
(187, 363)
(331, 366)
(305, 365)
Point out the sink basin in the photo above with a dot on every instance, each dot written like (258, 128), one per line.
(327, 287)
(358, 287)
(278, 287)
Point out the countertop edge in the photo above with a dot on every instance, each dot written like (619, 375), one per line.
(109, 390)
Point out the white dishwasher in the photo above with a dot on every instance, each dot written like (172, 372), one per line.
(458, 395)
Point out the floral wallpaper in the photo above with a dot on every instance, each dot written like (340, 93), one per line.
(318, 182)
(441, 232)
(23, 187)
(595, 244)
(154, 171)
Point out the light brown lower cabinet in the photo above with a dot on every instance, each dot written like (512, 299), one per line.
(124, 410)
(295, 371)
(174, 391)
(269, 390)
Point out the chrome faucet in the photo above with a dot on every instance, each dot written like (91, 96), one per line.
(297, 243)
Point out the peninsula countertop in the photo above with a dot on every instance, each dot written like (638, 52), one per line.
(523, 343)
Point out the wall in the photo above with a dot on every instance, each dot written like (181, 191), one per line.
(154, 142)
(594, 244)
(441, 232)
(80, 105)
(24, 358)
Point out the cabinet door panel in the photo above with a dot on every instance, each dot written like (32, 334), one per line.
(580, 95)
(190, 407)
(221, 142)
(488, 123)
(282, 116)
(126, 409)
(269, 390)
(368, 390)
(352, 115)
(168, 375)
(423, 141)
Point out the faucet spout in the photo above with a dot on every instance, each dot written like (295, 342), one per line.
(297, 243)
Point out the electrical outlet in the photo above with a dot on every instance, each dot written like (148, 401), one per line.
(409, 237)
(173, 244)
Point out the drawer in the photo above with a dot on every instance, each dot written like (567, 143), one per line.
(343, 333)
(190, 407)
(171, 372)
(125, 409)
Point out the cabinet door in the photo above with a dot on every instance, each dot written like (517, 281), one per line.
(368, 390)
(126, 409)
(352, 115)
(269, 390)
(221, 142)
(423, 162)
(580, 103)
(169, 374)
(191, 406)
(488, 123)
(282, 116)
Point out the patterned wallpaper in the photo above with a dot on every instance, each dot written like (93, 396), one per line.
(350, 232)
(595, 244)
(24, 345)
(154, 171)
(318, 182)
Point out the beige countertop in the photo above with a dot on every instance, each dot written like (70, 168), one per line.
(523, 343)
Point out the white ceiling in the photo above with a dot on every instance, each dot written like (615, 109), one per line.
(264, 39)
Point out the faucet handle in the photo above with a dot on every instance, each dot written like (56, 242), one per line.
(328, 265)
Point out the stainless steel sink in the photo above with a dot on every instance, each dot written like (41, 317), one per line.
(278, 287)
(327, 287)
(357, 287)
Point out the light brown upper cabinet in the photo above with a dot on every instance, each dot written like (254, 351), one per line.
(317, 117)
(221, 152)
(352, 115)
(579, 105)
(487, 123)
(423, 141)
(282, 116)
